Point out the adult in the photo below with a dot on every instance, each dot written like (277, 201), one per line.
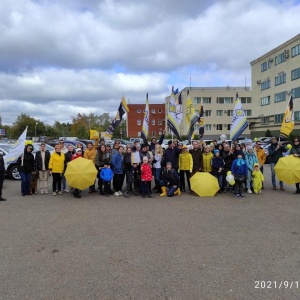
(90, 154)
(206, 160)
(170, 180)
(42, 158)
(154, 141)
(127, 170)
(196, 153)
(118, 169)
(63, 150)
(185, 167)
(103, 157)
(275, 153)
(26, 167)
(157, 161)
(77, 154)
(2, 175)
(146, 153)
(56, 168)
(228, 159)
(115, 147)
(69, 157)
(172, 155)
(295, 151)
(251, 160)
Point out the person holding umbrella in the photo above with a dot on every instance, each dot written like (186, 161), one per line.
(295, 151)
(78, 153)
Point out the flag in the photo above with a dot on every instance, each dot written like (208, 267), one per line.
(17, 149)
(145, 128)
(172, 116)
(179, 114)
(239, 121)
(288, 120)
(201, 120)
(123, 108)
(191, 118)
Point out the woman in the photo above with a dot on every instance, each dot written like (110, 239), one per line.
(26, 167)
(56, 168)
(250, 159)
(102, 157)
(185, 167)
(118, 169)
(206, 160)
(295, 151)
(220, 148)
(81, 147)
(238, 150)
(115, 148)
(127, 170)
(157, 161)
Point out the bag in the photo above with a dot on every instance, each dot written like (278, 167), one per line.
(239, 178)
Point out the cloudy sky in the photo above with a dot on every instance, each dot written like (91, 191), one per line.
(61, 57)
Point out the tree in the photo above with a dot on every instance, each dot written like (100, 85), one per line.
(268, 133)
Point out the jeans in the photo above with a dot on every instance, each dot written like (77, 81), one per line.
(156, 176)
(171, 188)
(220, 180)
(128, 180)
(249, 182)
(63, 182)
(25, 183)
(273, 176)
(118, 182)
(1, 182)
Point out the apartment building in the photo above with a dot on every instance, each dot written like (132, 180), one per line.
(218, 105)
(275, 75)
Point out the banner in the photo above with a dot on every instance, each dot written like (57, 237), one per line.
(191, 118)
(288, 120)
(94, 134)
(145, 128)
(201, 120)
(172, 116)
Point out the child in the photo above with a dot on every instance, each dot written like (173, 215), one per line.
(218, 163)
(106, 174)
(258, 179)
(146, 177)
(239, 172)
(136, 177)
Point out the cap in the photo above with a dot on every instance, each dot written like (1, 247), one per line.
(249, 148)
(168, 163)
(78, 150)
(256, 165)
(170, 142)
(61, 140)
(185, 147)
(216, 151)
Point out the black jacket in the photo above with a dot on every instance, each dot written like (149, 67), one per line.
(39, 161)
(197, 159)
(172, 156)
(28, 164)
(2, 166)
(170, 177)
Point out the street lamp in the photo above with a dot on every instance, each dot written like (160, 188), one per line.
(35, 131)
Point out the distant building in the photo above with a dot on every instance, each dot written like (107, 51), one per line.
(135, 118)
(218, 105)
(275, 75)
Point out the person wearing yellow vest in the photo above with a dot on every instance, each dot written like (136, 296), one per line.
(185, 167)
(90, 154)
(206, 160)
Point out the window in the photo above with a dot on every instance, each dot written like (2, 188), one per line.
(207, 113)
(139, 122)
(229, 113)
(263, 66)
(279, 59)
(264, 120)
(278, 118)
(160, 111)
(248, 112)
(280, 79)
(219, 113)
(269, 63)
(265, 85)
(297, 115)
(153, 122)
(139, 133)
(207, 127)
(159, 122)
(138, 111)
(245, 99)
(197, 100)
(224, 100)
(265, 101)
(280, 97)
(295, 74)
(206, 100)
(296, 92)
(296, 50)
(153, 133)
(219, 126)
(228, 126)
(153, 111)
(159, 132)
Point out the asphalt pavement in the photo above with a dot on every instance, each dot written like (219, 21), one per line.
(185, 247)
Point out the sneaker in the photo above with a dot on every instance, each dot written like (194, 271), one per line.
(242, 195)
(282, 188)
(66, 191)
(249, 191)
(42, 192)
(259, 192)
(46, 191)
(237, 196)
(274, 188)
(60, 193)
(126, 195)
(150, 196)
(256, 193)
(116, 194)
(2, 199)
(54, 194)
(120, 193)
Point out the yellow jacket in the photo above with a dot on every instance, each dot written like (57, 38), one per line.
(91, 154)
(185, 162)
(56, 163)
(261, 156)
(206, 162)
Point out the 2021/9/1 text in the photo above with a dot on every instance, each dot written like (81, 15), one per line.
(283, 284)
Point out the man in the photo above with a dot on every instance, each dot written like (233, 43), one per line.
(2, 174)
(145, 152)
(275, 153)
(170, 179)
(90, 153)
(172, 155)
(261, 156)
(154, 142)
(228, 157)
(68, 157)
(42, 158)
(197, 158)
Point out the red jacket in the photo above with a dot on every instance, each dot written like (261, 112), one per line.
(146, 172)
(74, 156)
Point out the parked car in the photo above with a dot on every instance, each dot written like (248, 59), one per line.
(139, 140)
(87, 141)
(11, 169)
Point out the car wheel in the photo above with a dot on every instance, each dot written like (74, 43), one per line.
(14, 173)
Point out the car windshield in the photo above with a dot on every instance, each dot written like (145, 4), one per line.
(37, 146)
(6, 147)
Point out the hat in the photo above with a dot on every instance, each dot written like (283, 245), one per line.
(168, 163)
(144, 146)
(78, 150)
(185, 147)
(249, 148)
(170, 142)
(138, 146)
(216, 151)
(255, 165)
(61, 140)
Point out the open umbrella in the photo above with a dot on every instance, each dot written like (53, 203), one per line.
(204, 184)
(81, 173)
(288, 169)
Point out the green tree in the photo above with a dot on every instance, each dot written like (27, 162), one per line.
(268, 133)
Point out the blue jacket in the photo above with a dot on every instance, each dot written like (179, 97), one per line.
(217, 162)
(251, 159)
(117, 163)
(106, 174)
(239, 170)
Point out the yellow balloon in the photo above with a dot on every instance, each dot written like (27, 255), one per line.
(232, 182)
(255, 139)
(229, 172)
(289, 146)
(28, 142)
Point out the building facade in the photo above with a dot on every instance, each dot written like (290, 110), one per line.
(135, 118)
(275, 76)
(218, 106)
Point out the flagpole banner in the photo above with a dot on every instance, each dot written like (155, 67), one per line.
(172, 116)
(145, 128)
(123, 108)
(288, 120)
(239, 121)
(201, 120)
(179, 113)
(17, 149)
(191, 118)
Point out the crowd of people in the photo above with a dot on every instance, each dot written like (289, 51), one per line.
(141, 164)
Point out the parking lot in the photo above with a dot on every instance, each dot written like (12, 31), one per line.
(184, 247)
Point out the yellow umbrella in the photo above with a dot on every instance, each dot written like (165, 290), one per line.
(288, 169)
(81, 173)
(204, 184)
